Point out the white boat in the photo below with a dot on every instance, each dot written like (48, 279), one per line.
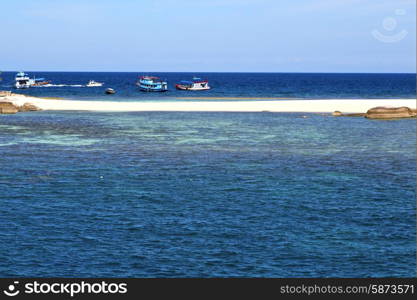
(197, 84)
(93, 83)
(22, 81)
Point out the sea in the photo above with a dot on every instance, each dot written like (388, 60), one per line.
(71, 85)
(208, 194)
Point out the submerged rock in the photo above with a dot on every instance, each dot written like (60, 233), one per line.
(8, 108)
(382, 112)
(354, 115)
(340, 114)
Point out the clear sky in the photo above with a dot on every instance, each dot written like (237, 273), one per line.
(209, 35)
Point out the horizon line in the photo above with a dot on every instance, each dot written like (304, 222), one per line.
(243, 72)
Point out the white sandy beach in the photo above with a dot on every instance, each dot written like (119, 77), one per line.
(308, 106)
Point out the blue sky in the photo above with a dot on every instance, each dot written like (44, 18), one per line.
(208, 35)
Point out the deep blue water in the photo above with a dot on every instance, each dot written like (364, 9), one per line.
(206, 195)
(286, 85)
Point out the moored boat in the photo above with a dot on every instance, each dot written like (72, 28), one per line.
(110, 91)
(197, 84)
(152, 84)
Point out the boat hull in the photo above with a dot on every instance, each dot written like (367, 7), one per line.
(147, 86)
(22, 86)
(93, 83)
(146, 89)
(110, 91)
(152, 84)
(23, 81)
(152, 90)
(41, 83)
(187, 88)
(196, 84)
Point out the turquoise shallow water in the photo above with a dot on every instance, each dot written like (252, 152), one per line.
(206, 194)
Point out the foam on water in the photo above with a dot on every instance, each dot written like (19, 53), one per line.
(62, 140)
(60, 85)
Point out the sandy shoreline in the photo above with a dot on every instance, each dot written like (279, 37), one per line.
(313, 106)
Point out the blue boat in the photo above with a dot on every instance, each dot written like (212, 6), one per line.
(152, 84)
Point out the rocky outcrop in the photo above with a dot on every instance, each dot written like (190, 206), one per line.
(28, 107)
(8, 108)
(382, 112)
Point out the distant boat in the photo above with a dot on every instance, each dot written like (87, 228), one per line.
(93, 83)
(152, 84)
(197, 84)
(110, 91)
(22, 81)
(41, 82)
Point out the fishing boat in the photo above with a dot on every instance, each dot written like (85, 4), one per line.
(93, 83)
(22, 81)
(152, 84)
(41, 82)
(197, 84)
(110, 91)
